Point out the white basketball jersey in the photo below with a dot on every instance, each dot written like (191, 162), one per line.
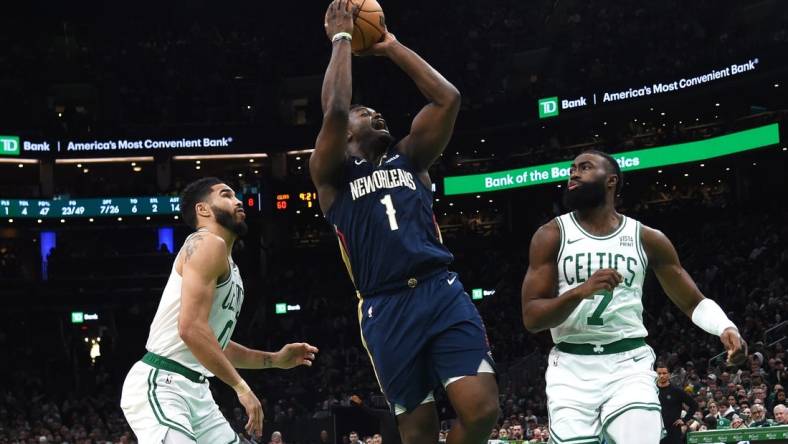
(606, 317)
(164, 339)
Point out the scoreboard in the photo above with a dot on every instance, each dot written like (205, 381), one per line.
(98, 207)
(296, 201)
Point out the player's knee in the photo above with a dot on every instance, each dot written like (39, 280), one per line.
(483, 415)
(490, 414)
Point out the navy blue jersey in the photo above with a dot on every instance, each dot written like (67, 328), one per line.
(383, 218)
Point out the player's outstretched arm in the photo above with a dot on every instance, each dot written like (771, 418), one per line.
(291, 355)
(432, 127)
(204, 262)
(681, 289)
(325, 164)
(542, 309)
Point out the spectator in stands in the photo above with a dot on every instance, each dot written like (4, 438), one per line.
(759, 417)
(758, 394)
(776, 397)
(276, 438)
(323, 437)
(377, 438)
(737, 422)
(746, 415)
(354, 437)
(780, 415)
(537, 436)
(714, 414)
(777, 373)
(516, 432)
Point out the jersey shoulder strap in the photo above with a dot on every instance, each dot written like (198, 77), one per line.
(570, 232)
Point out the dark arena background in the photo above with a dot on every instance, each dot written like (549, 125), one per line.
(108, 109)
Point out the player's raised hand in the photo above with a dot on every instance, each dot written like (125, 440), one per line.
(339, 17)
(735, 345)
(380, 48)
(254, 411)
(604, 279)
(293, 355)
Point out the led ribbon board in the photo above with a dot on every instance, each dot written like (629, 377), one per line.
(552, 106)
(629, 161)
(114, 206)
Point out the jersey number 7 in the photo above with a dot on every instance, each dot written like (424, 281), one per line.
(596, 316)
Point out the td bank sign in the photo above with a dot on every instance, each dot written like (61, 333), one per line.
(9, 146)
(551, 106)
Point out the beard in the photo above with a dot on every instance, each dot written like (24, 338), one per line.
(227, 220)
(376, 142)
(587, 195)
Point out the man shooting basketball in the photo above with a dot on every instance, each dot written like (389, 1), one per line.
(418, 324)
(165, 397)
(585, 283)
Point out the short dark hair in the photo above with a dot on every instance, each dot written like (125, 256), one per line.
(194, 193)
(356, 106)
(660, 364)
(614, 167)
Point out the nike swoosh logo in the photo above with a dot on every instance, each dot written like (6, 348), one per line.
(634, 359)
(359, 162)
(573, 241)
(451, 281)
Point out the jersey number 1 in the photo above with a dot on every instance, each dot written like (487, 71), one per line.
(596, 316)
(390, 211)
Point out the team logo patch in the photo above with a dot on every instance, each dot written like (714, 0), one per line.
(168, 379)
(626, 241)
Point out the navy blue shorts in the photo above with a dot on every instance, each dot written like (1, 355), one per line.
(419, 337)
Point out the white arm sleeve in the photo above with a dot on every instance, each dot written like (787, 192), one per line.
(709, 316)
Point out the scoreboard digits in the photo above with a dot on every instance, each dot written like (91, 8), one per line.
(297, 201)
(65, 208)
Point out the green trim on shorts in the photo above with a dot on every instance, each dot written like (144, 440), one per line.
(162, 363)
(159, 414)
(616, 413)
(630, 406)
(621, 346)
(577, 440)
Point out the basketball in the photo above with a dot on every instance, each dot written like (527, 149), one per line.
(369, 26)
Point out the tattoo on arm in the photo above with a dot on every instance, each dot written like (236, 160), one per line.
(191, 246)
(267, 361)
